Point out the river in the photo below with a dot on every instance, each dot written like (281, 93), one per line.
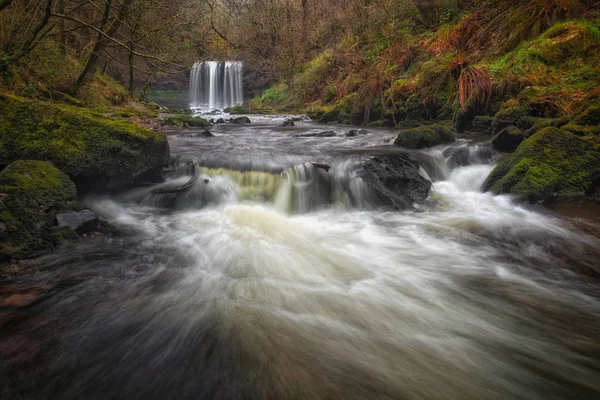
(267, 282)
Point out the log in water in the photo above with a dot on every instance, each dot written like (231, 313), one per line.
(276, 279)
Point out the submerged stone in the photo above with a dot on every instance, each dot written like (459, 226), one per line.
(84, 221)
(356, 132)
(316, 134)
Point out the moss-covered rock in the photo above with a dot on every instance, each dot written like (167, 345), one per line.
(32, 193)
(186, 121)
(591, 116)
(424, 136)
(482, 125)
(512, 116)
(542, 123)
(582, 130)
(508, 139)
(551, 163)
(96, 151)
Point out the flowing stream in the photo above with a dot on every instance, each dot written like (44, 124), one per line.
(272, 278)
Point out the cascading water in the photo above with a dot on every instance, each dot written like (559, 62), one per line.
(216, 85)
(271, 276)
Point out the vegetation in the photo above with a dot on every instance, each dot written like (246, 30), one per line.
(551, 163)
(32, 193)
(96, 151)
(451, 61)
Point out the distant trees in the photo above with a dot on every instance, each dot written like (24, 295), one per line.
(145, 37)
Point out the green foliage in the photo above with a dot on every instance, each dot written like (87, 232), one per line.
(32, 192)
(551, 163)
(424, 136)
(94, 150)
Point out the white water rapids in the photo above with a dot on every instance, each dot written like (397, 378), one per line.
(470, 296)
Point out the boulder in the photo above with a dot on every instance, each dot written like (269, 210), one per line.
(424, 136)
(32, 193)
(355, 132)
(288, 122)
(96, 151)
(186, 121)
(508, 139)
(457, 156)
(395, 181)
(516, 115)
(240, 120)
(220, 121)
(482, 125)
(316, 134)
(552, 163)
(84, 221)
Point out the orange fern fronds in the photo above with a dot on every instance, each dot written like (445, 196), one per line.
(474, 83)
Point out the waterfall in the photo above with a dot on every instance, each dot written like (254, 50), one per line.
(216, 84)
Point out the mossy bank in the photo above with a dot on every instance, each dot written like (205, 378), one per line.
(96, 151)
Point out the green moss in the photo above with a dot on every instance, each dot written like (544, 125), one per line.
(482, 124)
(512, 116)
(582, 130)
(186, 121)
(542, 123)
(591, 116)
(424, 136)
(551, 163)
(94, 150)
(32, 192)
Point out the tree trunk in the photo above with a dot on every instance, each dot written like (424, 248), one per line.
(131, 69)
(32, 40)
(61, 26)
(101, 41)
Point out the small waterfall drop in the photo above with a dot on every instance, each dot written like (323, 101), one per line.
(216, 84)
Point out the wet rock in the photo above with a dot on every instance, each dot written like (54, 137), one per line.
(355, 132)
(205, 133)
(508, 139)
(317, 134)
(325, 167)
(395, 181)
(240, 120)
(84, 221)
(220, 121)
(288, 122)
(457, 156)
